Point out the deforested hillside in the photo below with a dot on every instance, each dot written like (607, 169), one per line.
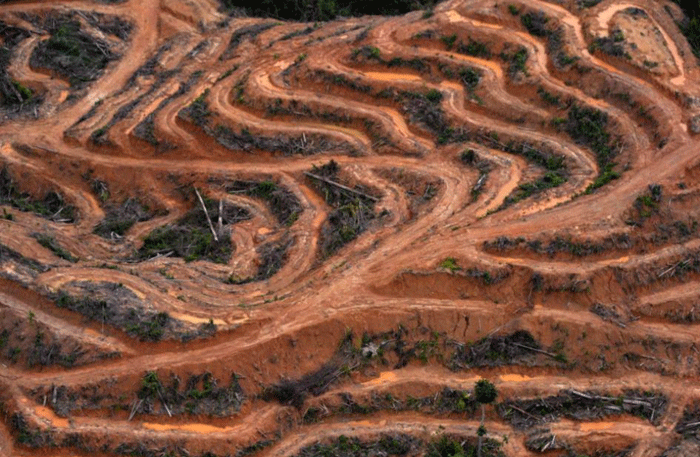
(327, 228)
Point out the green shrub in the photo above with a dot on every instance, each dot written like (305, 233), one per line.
(450, 263)
(449, 40)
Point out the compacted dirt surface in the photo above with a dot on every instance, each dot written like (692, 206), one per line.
(226, 235)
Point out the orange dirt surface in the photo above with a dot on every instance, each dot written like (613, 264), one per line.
(492, 247)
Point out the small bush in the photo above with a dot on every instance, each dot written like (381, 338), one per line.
(536, 23)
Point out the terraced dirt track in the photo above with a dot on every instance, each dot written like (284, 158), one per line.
(513, 197)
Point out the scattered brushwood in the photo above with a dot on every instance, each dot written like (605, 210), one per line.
(541, 154)
(18, 346)
(544, 441)
(71, 52)
(554, 164)
(397, 444)
(198, 111)
(64, 400)
(425, 110)
(9, 255)
(120, 218)
(674, 231)
(353, 208)
(193, 237)
(300, 32)
(582, 406)
(468, 76)
(420, 189)
(24, 340)
(399, 348)
(52, 245)
(287, 145)
(446, 401)
(603, 452)
(145, 129)
(683, 315)
(690, 422)
(371, 53)
(13, 95)
(201, 394)
(254, 447)
(571, 283)
(555, 47)
(550, 180)
(295, 391)
(107, 23)
(100, 136)
(51, 207)
(612, 45)
(151, 66)
(689, 445)
(150, 448)
(298, 109)
(486, 277)
(89, 115)
(562, 245)
(454, 445)
(516, 60)
(538, 24)
(283, 204)
(293, 108)
(645, 205)
(27, 435)
(676, 269)
(470, 157)
(249, 32)
(272, 255)
(341, 80)
(115, 305)
(518, 348)
(474, 48)
(609, 313)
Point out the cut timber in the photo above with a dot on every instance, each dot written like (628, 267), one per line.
(206, 213)
(340, 186)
